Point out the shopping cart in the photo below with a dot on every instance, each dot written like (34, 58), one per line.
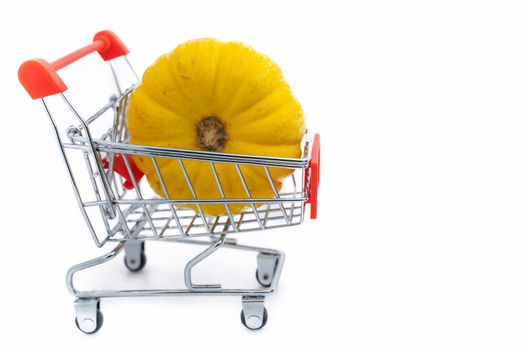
(119, 208)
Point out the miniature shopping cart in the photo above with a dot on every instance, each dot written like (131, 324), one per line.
(121, 209)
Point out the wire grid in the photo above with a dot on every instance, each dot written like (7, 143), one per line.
(139, 216)
(153, 217)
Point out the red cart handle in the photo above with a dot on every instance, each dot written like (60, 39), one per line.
(40, 78)
(315, 175)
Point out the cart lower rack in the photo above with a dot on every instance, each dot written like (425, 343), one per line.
(118, 208)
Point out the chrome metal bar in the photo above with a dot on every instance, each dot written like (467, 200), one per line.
(121, 133)
(115, 77)
(197, 259)
(132, 69)
(202, 201)
(87, 264)
(92, 177)
(139, 194)
(123, 222)
(294, 195)
(216, 218)
(215, 224)
(166, 194)
(304, 190)
(71, 176)
(105, 185)
(276, 193)
(265, 221)
(163, 152)
(221, 192)
(247, 191)
(175, 237)
(190, 186)
(101, 111)
(133, 293)
(165, 292)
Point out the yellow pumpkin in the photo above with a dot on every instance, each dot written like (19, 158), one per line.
(215, 96)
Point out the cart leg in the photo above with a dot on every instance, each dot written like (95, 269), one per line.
(88, 316)
(253, 314)
(134, 258)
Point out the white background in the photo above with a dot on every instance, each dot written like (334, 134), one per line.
(420, 238)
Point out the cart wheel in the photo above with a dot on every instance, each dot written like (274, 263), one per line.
(266, 267)
(134, 264)
(135, 258)
(254, 322)
(87, 326)
(263, 280)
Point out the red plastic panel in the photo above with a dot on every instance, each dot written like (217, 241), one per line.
(315, 175)
(119, 167)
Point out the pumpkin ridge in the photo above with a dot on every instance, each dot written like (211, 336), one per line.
(216, 77)
(242, 120)
(263, 99)
(180, 109)
(229, 112)
(240, 139)
(166, 108)
(161, 103)
(179, 89)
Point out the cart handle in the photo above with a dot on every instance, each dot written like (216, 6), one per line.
(315, 175)
(40, 78)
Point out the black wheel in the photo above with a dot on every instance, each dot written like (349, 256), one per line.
(132, 266)
(100, 320)
(263, 280)
(265, 319)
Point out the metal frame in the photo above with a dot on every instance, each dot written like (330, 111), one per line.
(130, 217)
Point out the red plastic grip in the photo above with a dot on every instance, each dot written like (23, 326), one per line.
(40, 78)
(315, 175)
(120, 168)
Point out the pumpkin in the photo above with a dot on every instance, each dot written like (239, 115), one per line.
(215, 96)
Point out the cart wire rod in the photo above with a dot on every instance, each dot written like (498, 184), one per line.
(139, 195)
(115, 77)
(248, 194)
(166, 195)
(132, 69)
(197, 259)
(98, 243)
(221, 192)
(200, 201)
(216, 222)
(190, 186)
(163, 152)
(155, 292)
(106, 186)
(100, 112)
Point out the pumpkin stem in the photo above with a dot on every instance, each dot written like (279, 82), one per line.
(211, 134)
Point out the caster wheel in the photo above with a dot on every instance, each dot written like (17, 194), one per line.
(134, 265)
(264, 280)
(87, 324)
(254, 323)
(135, 258)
